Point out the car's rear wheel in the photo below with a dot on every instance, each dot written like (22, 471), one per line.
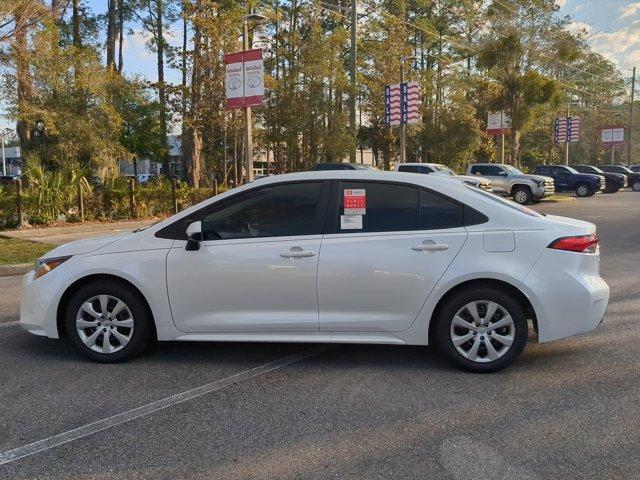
(611, 188)
(582, 190)
(482, 329)
(522, 195)
(635, 186)
(108, 322)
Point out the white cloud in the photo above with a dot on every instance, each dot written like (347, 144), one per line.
(579, 28)
(630, 10)
(621, 46)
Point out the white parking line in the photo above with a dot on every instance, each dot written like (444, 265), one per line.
(91, 428)
(8, 324)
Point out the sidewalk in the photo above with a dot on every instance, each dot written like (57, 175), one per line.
(65, 234)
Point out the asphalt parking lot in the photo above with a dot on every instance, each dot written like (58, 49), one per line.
(566, 410)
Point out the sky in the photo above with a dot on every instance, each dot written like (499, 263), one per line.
(612, 26)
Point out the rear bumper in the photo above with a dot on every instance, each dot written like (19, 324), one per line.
(567, 293)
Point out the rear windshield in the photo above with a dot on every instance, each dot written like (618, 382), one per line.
(504, 201)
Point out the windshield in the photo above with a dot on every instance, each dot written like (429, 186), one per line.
(363, 167)
(625, 169)
(442, 168)
(514, 170)
(572, 170)
(504, 201)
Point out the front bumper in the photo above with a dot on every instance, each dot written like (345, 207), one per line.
(544, 190)
(38, 304)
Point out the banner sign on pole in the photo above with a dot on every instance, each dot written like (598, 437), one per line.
(244, 80)
(392, 104)
(402, 103)
(411, 103)
(612, 135)
(566, 129)
(498, 123)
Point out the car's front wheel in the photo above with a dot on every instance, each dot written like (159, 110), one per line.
(635, 186)
(522, 195)
(482, 329)
(108, 322)
(582, 190)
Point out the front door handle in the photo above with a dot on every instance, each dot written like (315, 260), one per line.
(430, 246)
(297, 252)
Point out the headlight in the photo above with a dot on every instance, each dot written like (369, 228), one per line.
(47, 264)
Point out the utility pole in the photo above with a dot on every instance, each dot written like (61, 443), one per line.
(4, 162)
(403, 126)
(353, 58)
(361, 142)
(633, 89)
(566, 145)
(248, 140)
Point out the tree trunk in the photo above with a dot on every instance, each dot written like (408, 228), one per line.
(161, 89)
(192, 136)
(20, 48)
(120, 35)
(75, 21)
(111, 35)
(192, 148)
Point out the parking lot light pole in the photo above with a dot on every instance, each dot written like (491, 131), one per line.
(255, 19)
(403, 126)
(4, 161)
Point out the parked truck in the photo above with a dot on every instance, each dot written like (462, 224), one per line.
(509, 181)
(567, 179)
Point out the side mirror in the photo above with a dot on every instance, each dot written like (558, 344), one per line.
(194, 232)
(502, 174)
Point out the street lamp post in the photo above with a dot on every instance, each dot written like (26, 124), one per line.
(403, 126)
(4, 162)
(255, 19)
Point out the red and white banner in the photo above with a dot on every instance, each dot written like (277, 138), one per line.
(393, 104)
(612, 135)
(498, 123)
(244, 82)
(413, 103)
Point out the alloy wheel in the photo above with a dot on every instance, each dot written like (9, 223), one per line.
(104, 324)
(636, 187)
(482, 331)
(582, 191)
(521, 196)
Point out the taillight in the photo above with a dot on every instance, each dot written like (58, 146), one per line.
(581, 243)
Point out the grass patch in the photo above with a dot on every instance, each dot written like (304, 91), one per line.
(13, 250)
(558, 198)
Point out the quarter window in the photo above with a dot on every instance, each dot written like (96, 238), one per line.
(438, 212)
(274, 211)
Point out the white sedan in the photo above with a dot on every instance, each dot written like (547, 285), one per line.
(329, 256)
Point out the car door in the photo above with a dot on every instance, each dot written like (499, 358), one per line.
(561, 178)
(256, 267)
(378, 267)
(494, 173)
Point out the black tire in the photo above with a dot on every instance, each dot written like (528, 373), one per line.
(453, 305)
(582, 190)
(141, 336)
(522, 194)
(610, 188)
(635, 186)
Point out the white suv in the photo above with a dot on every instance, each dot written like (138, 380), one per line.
(334, 256)
(439, 169)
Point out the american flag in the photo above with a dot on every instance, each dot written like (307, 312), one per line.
(566, 128)
(402, 103)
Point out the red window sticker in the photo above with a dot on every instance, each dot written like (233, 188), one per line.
(355, 201)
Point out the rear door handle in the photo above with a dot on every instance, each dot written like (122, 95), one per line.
(430, 247)
(297, 252)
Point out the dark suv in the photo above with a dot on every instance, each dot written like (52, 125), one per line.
(613, 181)
(633, 178)
(566, 178)
(343, 166)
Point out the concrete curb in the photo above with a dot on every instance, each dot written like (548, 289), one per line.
(15, 269)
